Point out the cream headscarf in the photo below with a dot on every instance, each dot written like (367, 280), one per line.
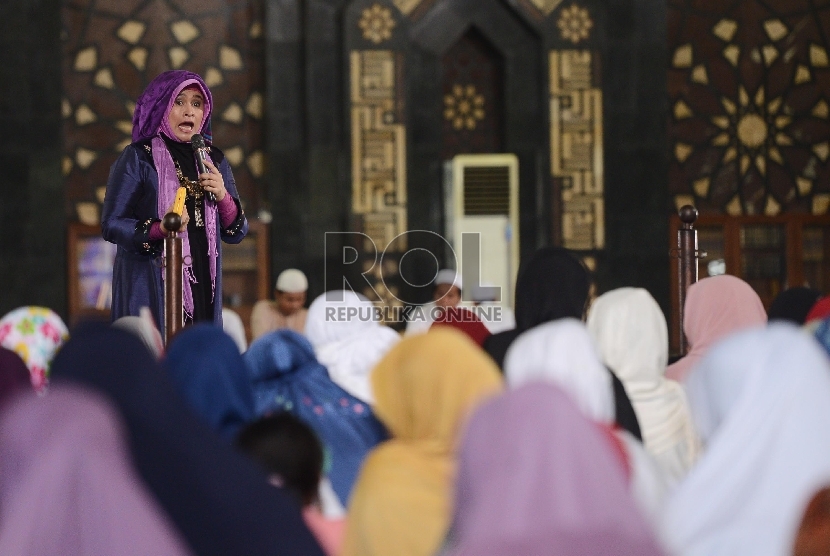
(425, 389)
(631, 335)
(760, 402)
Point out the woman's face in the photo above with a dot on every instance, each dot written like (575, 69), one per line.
(186, 114)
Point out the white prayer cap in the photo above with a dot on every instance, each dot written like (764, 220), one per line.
(448, 276)
(292, 280)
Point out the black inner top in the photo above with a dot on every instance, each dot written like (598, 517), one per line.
(202, 290)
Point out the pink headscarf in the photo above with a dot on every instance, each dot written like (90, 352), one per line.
(66, 486)
(537, 477)
(715, 308)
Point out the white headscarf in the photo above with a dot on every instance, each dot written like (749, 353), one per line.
(562, 352)
(348, 340)
(761, 402)
(631, 334)
(233, 327)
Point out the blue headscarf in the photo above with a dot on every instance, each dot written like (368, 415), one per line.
(286, 376)
(217, 498)
(209, 373)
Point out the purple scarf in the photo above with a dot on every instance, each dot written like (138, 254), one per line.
(151, 120)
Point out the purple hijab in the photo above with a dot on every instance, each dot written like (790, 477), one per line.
(14, 374)
(67, 486)
(150, 120)
(536, 477)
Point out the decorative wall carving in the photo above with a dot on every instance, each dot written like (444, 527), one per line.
(379, 157)
(574, 23)
(377, 24)
(748, 89)
(546, 6)
(576, 139)
(113, 48)
(464, 107)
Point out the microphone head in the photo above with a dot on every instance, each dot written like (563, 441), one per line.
(197, 142)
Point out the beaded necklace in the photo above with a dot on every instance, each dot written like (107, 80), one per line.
(194, 191)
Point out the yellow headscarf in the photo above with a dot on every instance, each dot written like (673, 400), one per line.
(425, 389)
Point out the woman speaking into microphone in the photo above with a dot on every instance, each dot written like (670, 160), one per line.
(142, 188)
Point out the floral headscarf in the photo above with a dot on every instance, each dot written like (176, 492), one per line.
(35, 334)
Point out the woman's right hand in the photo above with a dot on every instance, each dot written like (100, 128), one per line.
(185, 220)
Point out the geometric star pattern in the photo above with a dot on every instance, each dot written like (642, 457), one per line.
(748, 91)
(113, 48)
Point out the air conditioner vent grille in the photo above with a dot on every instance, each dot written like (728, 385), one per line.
(486, 190)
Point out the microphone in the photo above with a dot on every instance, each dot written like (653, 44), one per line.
(197, 142)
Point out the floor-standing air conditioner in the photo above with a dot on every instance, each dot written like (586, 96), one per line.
(483, 199)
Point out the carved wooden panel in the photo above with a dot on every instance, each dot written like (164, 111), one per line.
(473, 100)
(748, 86)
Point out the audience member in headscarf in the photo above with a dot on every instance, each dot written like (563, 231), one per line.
(286, 376)
(537, 477)
(348, 339)
(67, 485)
(495, 315)
(215, 495)
(793, 305)
(465, 321)
(35, 334)
(233, 327)
(715, 308)
(425, 389)
(556, 351)
(292, 455)
(144, 328)
(446, 293)
(632, 337)
(563, 353)
(760, 402)
(14, 375)
(209, 372)
(554, 284)
(287, 311)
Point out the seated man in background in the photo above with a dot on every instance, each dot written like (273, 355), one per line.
(287, 311)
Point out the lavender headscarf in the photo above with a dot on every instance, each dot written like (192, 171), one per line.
(150, 120)
(537, 477)
(67, 485)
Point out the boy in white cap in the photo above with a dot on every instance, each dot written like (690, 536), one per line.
(287, 311)
(447, 293)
